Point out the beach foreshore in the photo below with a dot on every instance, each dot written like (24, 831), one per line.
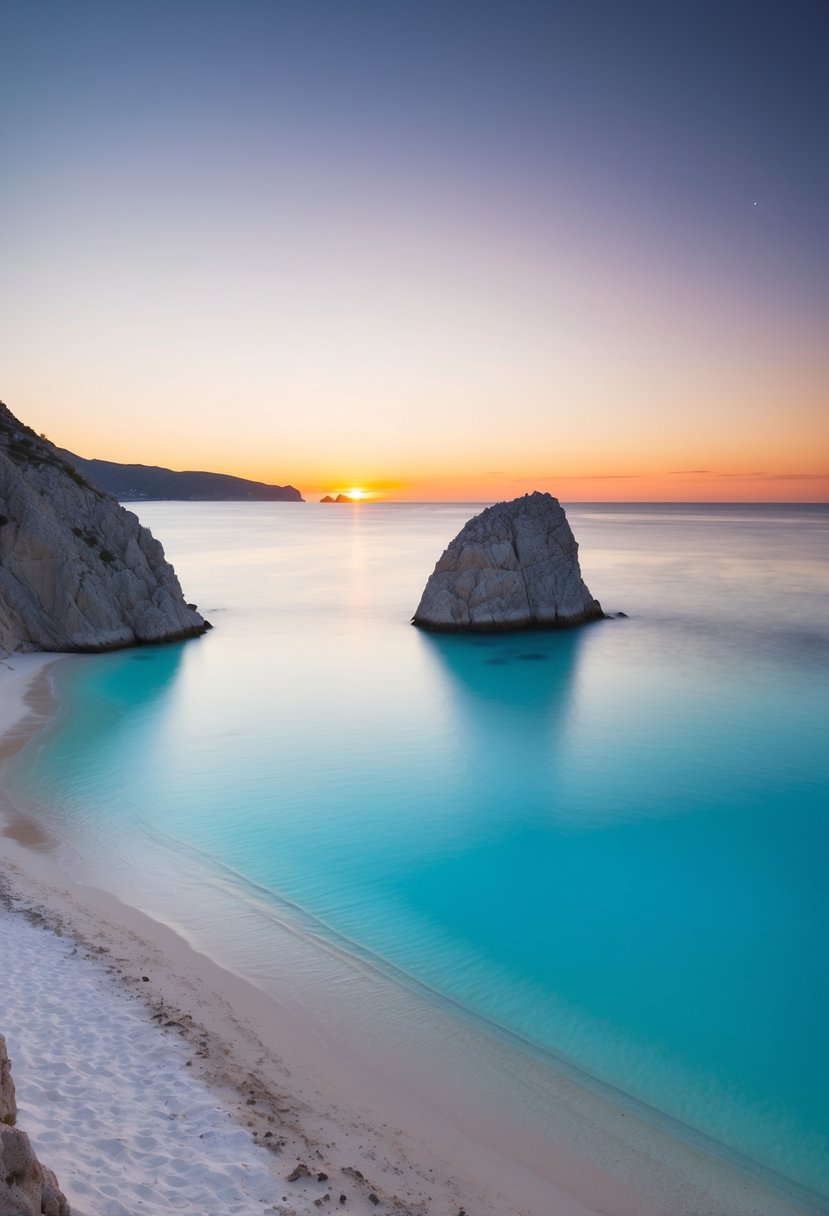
(152, 1079)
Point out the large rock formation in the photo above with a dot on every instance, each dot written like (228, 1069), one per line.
(77, 571)
(514, 566)
(26, 1187)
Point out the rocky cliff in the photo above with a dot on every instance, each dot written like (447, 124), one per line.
(26, 1187)
(514, 566)
(77, 571)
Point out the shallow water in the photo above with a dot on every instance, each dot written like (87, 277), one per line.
(610, 842)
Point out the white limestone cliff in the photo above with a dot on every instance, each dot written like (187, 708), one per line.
(77, 571)
(26, 1187)
(514, 566)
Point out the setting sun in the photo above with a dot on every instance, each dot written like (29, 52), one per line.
(358, 493)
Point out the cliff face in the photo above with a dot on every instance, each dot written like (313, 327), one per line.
(77, 571)
(514, 566)
(26, 1188)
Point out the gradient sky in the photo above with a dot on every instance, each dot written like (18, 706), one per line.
(442, 250)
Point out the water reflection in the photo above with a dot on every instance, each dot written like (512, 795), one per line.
(526, 672)
(513, 700)
(132, 682)
(121, 691)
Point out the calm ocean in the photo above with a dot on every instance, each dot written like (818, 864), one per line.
(608, 846)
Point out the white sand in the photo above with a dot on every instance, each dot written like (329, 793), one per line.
(86, 1060)
(193, 1091)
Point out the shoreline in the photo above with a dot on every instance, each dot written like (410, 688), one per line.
(323, 1100)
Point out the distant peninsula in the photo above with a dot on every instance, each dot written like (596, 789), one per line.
(141, 482)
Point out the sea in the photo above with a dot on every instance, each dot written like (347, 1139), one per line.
(604, 850)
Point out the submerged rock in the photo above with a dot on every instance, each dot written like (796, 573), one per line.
(77, 570)
(514, 566)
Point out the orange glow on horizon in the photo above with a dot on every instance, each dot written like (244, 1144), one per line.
(457, 294)
(678, 463)
(672, 486)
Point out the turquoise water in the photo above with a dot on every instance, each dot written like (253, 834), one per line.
(610, 842)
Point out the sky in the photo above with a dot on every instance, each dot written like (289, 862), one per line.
(435, 250)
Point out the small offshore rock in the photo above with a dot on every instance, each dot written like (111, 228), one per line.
(514, 566)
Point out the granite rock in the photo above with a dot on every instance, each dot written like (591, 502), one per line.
(26, 1187)
(8, 1101)
(514, 566)
(77, 570)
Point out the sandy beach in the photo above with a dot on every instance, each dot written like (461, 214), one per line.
(153, 1080)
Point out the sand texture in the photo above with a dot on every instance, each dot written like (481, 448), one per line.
(154, 1139)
